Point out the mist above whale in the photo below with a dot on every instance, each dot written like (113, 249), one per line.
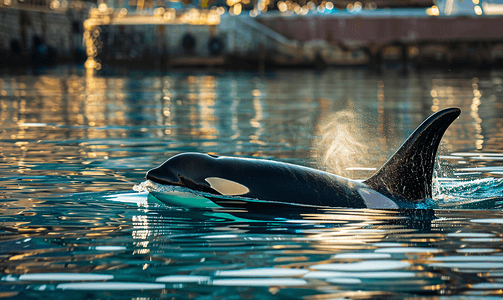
(404, 179)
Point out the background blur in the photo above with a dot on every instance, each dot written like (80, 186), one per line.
(251, 34)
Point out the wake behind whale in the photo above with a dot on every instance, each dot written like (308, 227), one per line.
(403, 181)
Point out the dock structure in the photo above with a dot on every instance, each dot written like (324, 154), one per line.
(289, 40)
(41, 31)
(147, 36)
(288, 37)
(452, 39)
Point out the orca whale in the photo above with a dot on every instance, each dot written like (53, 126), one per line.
(405, 179)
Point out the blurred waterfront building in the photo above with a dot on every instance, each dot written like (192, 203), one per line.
(41, 31)
(282, 32)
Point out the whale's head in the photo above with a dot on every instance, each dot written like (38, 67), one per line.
(184, 170)
(197, 171)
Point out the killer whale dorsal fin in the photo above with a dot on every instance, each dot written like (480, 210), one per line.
(407, 175)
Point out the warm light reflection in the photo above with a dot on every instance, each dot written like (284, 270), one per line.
(94, 106)
(232, 2)
(167, 106)
(478, 10)
(55, 4)
(475, 115)
(297, 9)
(236, 9)
(468, 133)
(234, 115)
(357, 6)
(358, 234)
(282, 6)
(433, 11)
(206, 104)
(256, 121)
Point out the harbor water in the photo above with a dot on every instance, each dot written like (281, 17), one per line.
(77, 223)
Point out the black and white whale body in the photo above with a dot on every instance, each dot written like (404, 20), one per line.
(406, 178)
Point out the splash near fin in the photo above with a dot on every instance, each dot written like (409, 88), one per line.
(407, 175)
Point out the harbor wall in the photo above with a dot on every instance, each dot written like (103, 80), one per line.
(315, 41)
(119, 42)
(468, 41)
(45, 36)
(363, 30)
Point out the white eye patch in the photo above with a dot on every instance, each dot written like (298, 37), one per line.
(227, 187)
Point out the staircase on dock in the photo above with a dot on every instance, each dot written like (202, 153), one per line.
(248, 38)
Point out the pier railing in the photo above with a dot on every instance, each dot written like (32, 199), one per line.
(250, 36)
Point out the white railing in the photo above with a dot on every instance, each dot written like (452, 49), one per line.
(249, 36)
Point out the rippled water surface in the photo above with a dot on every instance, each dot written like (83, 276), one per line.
(73, 146)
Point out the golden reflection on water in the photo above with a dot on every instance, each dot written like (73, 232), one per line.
(469, 98)
(350, 126)
(206, 115)
(255, 122)
(357, 234)
(62, 138)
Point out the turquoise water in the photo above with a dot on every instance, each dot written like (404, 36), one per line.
(74, 147)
